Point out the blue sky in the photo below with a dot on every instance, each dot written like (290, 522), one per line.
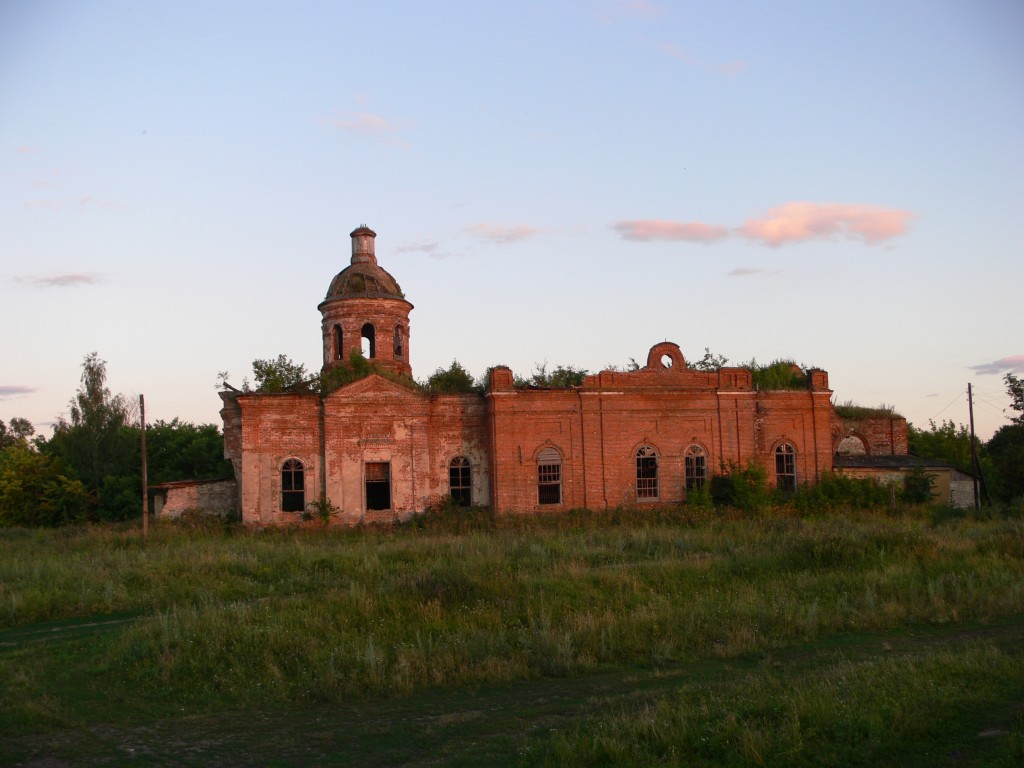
(570, 182)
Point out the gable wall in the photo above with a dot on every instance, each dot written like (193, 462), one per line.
(416, 434)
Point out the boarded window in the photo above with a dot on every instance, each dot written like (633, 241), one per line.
(399, 345)
(293, 486)
(549, 477)
(785, 467)
(378, 485)
(646, 473)
(695, 461)
(460, 481)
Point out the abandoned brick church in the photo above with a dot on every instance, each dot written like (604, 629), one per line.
(381, 450)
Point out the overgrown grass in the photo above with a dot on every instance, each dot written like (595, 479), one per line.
(895, 710)
(237, 618)
(850, 410)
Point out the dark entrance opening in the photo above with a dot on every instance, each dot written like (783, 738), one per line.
(378, 485)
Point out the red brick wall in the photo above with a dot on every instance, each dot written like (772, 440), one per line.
(596, 428)
(599, 428)
(881, 437)
(275, 428)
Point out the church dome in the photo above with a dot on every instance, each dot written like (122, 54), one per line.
(364, 281)
(363, 278)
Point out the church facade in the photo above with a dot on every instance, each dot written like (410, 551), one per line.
(381, 449)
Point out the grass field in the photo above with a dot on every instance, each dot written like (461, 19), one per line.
(626, 638)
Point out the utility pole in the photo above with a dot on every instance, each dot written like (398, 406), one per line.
(975, 469)
(145, 488)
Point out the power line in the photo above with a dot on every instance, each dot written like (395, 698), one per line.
(955, 398)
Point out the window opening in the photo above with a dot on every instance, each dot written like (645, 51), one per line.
(646, 473)
(369, 342)
(293, 486)
(695, 461)
(460, 485)
(666, 361)
(549, 477)
(378, 485)
(398, 341)
(851, 445)
(338, 352)
(785, 467)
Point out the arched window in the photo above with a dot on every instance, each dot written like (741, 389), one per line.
(549, 477)
(695, 461)
(293, 486)
(369, 343)
(785, 467)
(339, 353)
(460, 481)
(851, 445)
(399, 346)
(646, 473)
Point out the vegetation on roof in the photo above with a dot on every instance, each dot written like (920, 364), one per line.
(849, 410)
(778, 374)
(562, 377)
(454, 380)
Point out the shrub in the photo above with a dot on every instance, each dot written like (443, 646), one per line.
(836, 491)
(454, 380)
(918, 486)
(744, 488)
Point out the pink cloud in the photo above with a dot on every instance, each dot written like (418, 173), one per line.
(640, 8)
(1011, 364)
(732, 69)
(501, 233)
(675, 52)
(429, 247)
(66, 280)
(23, 150)
(366, 124)
(748, 271)
(799, 221)
(656, 229)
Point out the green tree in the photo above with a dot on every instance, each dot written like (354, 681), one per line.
(1006, 454)
(179, 450)
(562, 377)
(710, 362)
(1006, 448)
(355, 368)
(18, 433)
(451, 381)
(948, 442)
(1015, 389)
(99, 441)
(35, 490)
(281, 375)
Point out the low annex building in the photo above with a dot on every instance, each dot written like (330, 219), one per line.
(379, 449)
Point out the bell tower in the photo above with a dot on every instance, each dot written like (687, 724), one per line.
(366, 311)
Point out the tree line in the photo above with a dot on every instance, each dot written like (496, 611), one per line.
(1001, 458)
(90, 470)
